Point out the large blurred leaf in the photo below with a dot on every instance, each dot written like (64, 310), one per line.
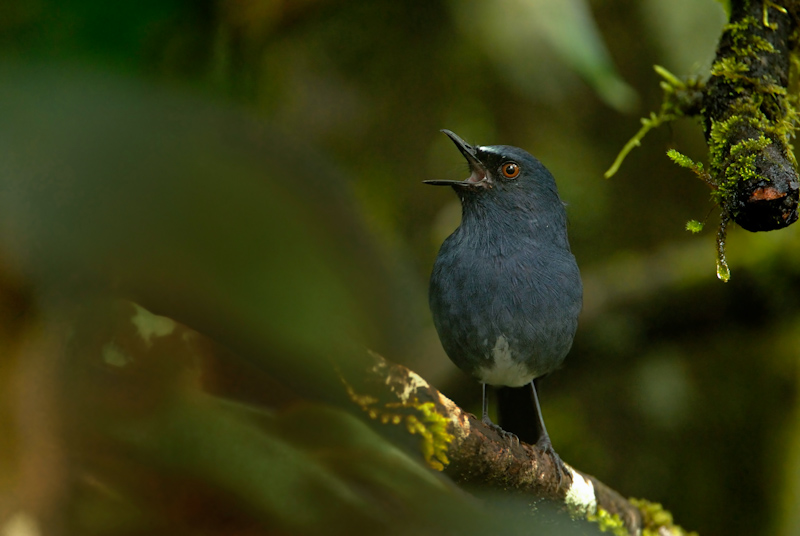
(155, 454)
(197, 211)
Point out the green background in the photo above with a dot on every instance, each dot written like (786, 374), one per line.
(679, 388)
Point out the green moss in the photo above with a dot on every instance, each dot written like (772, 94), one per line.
(733, 158)
(729, 67)
(657, 521)
(743, 161)
(765, 5)
(686, 162)
(750, 145)
(680, 99)
(432, 427)
(694, 226)
(758, 43)
(759, 112)
(764, 107)
(420, 419)
(608, 522)
(744, 42)
(683, 160)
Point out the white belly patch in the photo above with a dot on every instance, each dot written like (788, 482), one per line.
(505, 370)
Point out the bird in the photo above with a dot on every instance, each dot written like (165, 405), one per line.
(505, 290)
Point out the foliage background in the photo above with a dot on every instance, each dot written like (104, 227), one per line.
(679, 388)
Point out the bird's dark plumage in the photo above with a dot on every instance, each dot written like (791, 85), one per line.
(505, 291)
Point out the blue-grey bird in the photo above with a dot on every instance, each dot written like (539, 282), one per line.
(505, 291)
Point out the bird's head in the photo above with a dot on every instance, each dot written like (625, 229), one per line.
(499, 170)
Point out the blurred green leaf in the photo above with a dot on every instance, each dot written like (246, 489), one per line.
(160, 455)
(197, 211)
(515, 33)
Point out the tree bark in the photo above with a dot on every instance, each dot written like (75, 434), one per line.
(470, 452)
(749, 115)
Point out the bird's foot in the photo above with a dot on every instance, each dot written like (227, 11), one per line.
(512, 438)
(544, 445)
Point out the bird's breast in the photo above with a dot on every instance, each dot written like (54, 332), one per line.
(506, 311)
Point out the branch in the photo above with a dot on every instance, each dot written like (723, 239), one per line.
(749, 116)
(748, 109)
(470, 452)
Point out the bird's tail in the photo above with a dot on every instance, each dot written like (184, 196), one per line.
(518, 412)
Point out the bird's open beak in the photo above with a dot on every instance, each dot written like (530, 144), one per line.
(478, 177)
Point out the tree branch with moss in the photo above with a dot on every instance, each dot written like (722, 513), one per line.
(132, 385)
(472, 453)
(748, 110)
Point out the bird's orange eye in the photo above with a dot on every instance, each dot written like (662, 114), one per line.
(510, 169)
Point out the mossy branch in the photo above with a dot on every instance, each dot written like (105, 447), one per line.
(750, 116)
(470, 452)
(748, 109)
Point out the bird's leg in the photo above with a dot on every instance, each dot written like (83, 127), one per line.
(487, 421)
(485, 401)
(544, 443)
